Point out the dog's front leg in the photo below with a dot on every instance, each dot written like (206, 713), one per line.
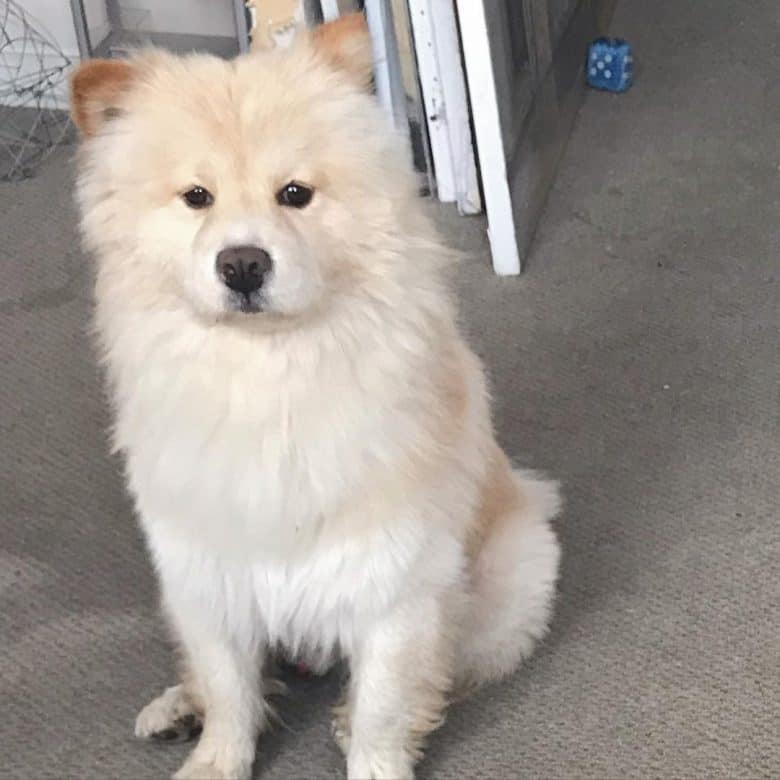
(400, 675)
(214, 617)
(230, 684)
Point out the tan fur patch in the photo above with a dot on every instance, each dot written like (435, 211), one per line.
(456, 396)
(499, 497)
(347, 44)
(95, 89)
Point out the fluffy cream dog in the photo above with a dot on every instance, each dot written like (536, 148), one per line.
(307, 437)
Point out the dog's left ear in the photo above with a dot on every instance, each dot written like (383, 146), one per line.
(346, 42)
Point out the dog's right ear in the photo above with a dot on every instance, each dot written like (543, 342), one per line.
(96, 89)
(346, 42)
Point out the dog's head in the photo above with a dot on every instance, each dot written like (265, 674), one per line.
(268, 185)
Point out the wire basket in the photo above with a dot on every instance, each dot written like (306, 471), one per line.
(33, 70)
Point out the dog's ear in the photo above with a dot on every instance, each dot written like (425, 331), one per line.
(346, 42)
(95, 92)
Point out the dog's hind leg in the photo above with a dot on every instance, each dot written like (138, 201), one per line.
(400, 676)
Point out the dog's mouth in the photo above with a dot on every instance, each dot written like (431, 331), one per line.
(254, 303)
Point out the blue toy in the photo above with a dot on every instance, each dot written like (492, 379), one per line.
(610, 65)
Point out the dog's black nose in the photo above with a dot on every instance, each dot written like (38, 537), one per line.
(243, 268)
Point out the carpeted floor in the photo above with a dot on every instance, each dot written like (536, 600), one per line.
(637, 360)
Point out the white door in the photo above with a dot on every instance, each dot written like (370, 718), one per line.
(524, 63)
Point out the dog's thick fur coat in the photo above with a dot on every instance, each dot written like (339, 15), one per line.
(319, 477)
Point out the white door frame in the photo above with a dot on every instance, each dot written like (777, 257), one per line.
(487, 128)
(387, 62)
(330, 9)
(435, 31)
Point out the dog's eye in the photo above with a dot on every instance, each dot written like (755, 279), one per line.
(295, 195)
(198, 198)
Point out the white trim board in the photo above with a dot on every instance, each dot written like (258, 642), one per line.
(387, 64)
(330, 9)
(435, 32)
(487, 128)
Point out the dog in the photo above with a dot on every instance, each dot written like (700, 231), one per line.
(307, 437)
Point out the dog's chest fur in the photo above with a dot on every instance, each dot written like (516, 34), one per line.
(243, 468)
(314, 606)
(250, 442)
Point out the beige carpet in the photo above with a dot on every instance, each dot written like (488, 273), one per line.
(637, 360)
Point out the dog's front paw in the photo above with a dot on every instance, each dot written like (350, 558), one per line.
(211, 762)
(195, 770)
(379, 765)
(169, 718)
